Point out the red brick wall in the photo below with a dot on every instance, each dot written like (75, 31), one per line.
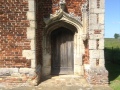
(86, 55)
(13, 28)
(44, 9)
(13, 37)
(73, 6)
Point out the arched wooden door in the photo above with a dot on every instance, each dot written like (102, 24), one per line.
(62, 51)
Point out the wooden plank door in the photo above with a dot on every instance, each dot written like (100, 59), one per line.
(62, 51)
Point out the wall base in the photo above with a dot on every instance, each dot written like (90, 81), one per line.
(97, 76)
(19, 76)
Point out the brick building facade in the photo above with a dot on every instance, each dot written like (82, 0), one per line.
(27, 52)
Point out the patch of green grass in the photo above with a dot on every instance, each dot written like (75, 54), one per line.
(112, 58)
(114, 75)
(111, 42)
(115, 85)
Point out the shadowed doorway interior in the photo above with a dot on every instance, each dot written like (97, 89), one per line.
(62, 51)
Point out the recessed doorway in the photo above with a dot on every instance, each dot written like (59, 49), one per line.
(62, 54)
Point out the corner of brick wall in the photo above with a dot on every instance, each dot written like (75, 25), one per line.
(17, 41)
(13, 37)
(97, 76)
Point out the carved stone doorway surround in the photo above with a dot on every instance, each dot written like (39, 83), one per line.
(71, 22)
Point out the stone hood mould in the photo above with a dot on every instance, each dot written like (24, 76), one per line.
(60, 15)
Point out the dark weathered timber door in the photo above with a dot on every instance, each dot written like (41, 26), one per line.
(62, 51)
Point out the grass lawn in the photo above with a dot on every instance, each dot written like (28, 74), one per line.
(111, 42)
(114, 75)
(112, 59)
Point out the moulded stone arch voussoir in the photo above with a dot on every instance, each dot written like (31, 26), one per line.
(59, 24)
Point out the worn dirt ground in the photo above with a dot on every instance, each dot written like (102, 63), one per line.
(64, 82)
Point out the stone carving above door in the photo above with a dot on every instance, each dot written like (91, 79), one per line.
(61, 14)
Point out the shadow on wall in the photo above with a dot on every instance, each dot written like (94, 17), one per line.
(112, 62)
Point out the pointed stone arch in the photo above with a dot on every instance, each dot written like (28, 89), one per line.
(71, 22)
(61, 18)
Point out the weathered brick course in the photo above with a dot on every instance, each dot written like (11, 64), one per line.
(13, 37)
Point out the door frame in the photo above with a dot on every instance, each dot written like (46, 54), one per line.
(67, 33)
(58, 20)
